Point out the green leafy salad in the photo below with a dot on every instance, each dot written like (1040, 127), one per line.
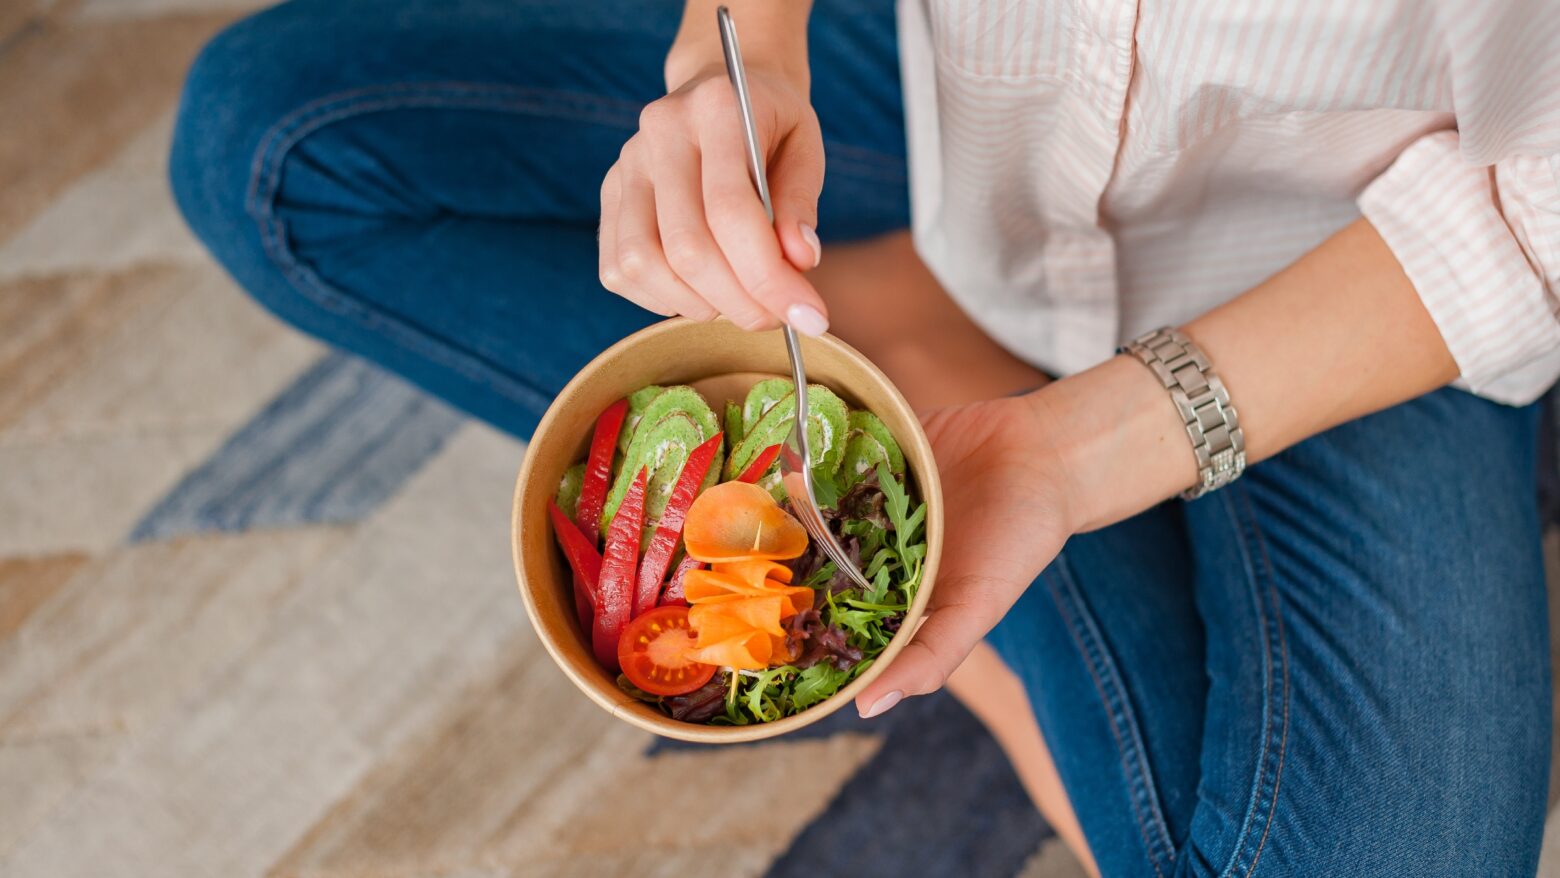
(694, 582)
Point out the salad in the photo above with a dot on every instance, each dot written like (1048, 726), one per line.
(692, 579)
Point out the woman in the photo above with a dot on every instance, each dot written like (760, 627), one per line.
(1334, 665)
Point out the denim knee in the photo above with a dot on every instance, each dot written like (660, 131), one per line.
(224, 110)
(245, 82)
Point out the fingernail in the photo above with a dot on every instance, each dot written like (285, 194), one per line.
(883, 704)
(806, 320)
(811, 237)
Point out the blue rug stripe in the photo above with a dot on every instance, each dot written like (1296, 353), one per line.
(938, 798)
(329, 449)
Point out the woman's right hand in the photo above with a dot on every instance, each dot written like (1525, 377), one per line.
(682, 228)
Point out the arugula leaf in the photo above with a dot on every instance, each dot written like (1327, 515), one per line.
(910, 529)
(880, 560)
(825, 489)
(817, 683)
(821, 577)
(859, 622)
(895, 501)
(880, 583)
(763, 706)
(871, 536)
(881, 608)
(859, 527)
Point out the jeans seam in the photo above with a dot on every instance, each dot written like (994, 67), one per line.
(1275, 655)
(1119, 714)
(293, 128)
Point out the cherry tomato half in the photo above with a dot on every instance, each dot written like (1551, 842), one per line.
(652, 653)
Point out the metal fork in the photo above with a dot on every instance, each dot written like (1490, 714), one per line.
(795, 459)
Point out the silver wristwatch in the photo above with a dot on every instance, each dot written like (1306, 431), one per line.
(1203, 402)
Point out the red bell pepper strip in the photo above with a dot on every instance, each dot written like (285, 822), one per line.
(598, 468)
(615, 591)
(658, 557)
(760, 465)
(583, 559)
(674, 591)
(584, 602)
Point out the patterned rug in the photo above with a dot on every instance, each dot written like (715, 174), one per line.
(257, 615)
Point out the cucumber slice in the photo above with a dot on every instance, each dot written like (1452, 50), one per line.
(675, 422)
(569, 490)
(870, 424)
(761, 398)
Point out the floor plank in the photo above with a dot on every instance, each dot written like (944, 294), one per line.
(137, 627)
(116, 217)
(157, 348)
(114, 386)
(525, 772)
(119, 9)
(48, 326)
(116, 647)
(18, 18)
(26, 583)
(85, 89)
(38, 775)
(374, 644)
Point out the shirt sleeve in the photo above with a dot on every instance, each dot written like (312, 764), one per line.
(1473, 214)
(1481, 244)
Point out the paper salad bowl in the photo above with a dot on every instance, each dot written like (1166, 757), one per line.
(720, 360)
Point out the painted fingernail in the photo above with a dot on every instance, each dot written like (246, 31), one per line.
(806, 320)
(883, 704)
(811, 237)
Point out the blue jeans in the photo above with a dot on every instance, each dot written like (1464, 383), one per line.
(1338, 666)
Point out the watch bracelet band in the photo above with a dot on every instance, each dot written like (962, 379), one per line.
(1203, 403)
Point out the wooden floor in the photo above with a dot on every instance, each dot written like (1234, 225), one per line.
(257, 615)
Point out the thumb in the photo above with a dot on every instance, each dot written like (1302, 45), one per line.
(795, 181)
(938, 648)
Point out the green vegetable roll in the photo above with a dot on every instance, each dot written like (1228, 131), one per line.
(674, 423)
(638, 401)
(826, 430)
(569, 490)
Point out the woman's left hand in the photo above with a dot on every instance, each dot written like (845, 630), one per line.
(1005, 507)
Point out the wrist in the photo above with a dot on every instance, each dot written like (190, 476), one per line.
(1117, 440)
(696, 63)
(773, 37)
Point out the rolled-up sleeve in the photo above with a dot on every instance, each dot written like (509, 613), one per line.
(1481, 244)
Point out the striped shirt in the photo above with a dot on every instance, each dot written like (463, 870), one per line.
(1086, 170)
